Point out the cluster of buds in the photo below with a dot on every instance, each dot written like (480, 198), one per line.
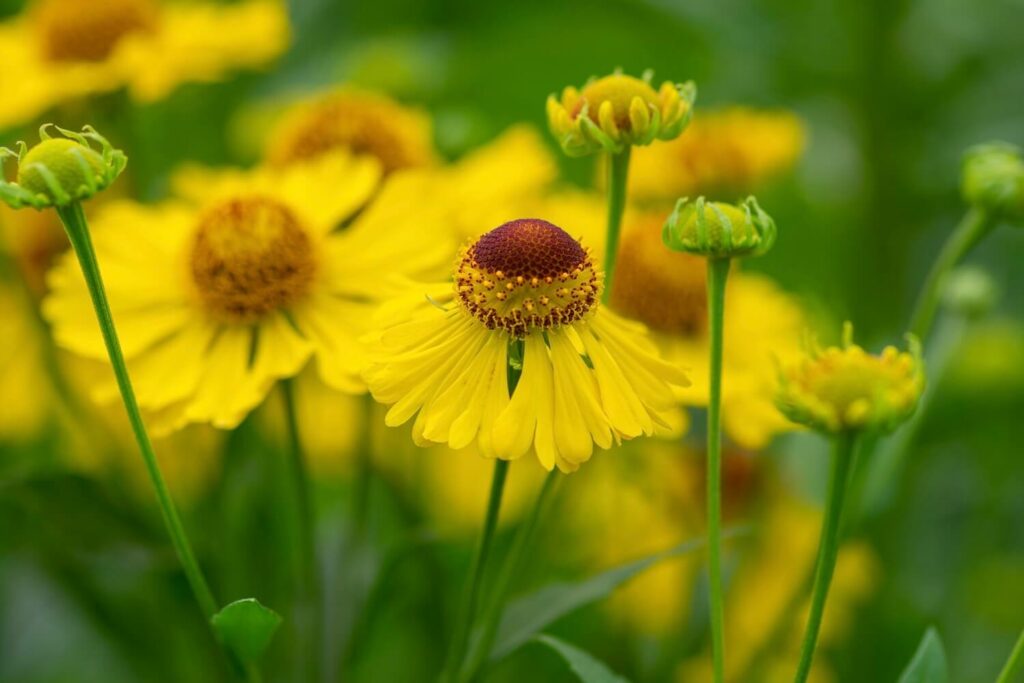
(718, 230)
(61, 170)
(615, 112)
(993, 179)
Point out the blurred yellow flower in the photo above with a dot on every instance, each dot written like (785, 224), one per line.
(25, 388)
(731, 151)
(221, 296)
(588, 376)
(360, 122)
(62, 50)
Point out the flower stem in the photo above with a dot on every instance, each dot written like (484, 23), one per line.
(77, 229)
(511, 568)
(460, 637)
(718, 273)
(828, 548)
(975, 224)
(618, 171)
(1015, 664)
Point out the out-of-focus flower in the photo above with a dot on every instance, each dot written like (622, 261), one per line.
(25, 388)
(360, 122)
(732, 151)
(528, 287)
(990, 364)
(220, 297)
(844, 388)
(993, 179)
(32, 240)
(618, 111)
(62, 50)
(667, 291)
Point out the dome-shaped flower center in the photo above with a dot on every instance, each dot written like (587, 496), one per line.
(618, 89)
(663, 289)
(353, 125)
(251, 256)
(527, 274)
(88, 30)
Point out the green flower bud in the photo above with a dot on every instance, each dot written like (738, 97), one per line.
(719, 230)
(60, 171)
(993, 179)
(970, 292)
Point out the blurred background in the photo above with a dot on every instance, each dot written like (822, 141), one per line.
(889, 92)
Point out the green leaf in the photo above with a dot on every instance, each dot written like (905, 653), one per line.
(929, 662)
(246, 627)
(583, 664)
(526, 616)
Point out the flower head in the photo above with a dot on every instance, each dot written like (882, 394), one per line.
(993, 178)
(719, 230)
(525, 294)
(617, 111)
(62, 170)
(844, 388)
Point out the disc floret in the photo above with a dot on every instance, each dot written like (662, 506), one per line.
(719, 230)
(617, 111)
(60, 171)
(527, 275)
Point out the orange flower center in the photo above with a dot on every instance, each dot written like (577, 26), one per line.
(89, 30)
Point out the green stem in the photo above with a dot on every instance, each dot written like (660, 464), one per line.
(511, 568)
(828, 547)
(618, 171)
(718, 273)
(975, 224)
(363, 480)
(78, 233)
(460, 637)
(1015, 664)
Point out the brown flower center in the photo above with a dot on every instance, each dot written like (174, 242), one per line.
(89, 30)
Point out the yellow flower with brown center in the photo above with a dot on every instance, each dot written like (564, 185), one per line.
(524, 293)
(844, 388)
(360, 122)
(732, 151)
(618, 111)
(61, 50)
(222, 295)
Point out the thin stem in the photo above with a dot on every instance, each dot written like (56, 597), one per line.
(618, 170)
(828, 548)
(511, 568)
(305, 531)
(364, 470)
(460, 637)
(975, 224)
(718, 273)
(78, 233)
(1015, 664)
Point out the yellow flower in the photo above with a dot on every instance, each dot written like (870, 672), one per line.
(62, 50)
(588, 376)
(360, 122)
(844, 388)
(25, 388)
(732, 151)
(618, 111)
(215, 300)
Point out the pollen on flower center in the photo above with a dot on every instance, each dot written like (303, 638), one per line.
(619, 89)
(251, 256)
(83, 31)
(665, 290)
(527, 274)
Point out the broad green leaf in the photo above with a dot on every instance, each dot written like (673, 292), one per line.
(246, 627)
(586, 667)
(929, 662)
(526, 616)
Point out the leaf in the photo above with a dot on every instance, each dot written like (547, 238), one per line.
(526, 616)
(929, 662)
(246, 627)
(586, 667)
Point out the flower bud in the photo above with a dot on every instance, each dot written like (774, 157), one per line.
(719, 230)
(617, 111)
(61, 171)
(993, 179)
(970, 292)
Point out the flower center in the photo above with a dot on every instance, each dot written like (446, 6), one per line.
(856, 376)
(665, 290)
(88, 30)
(618, 89)
(527, 274)
(251, 256)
